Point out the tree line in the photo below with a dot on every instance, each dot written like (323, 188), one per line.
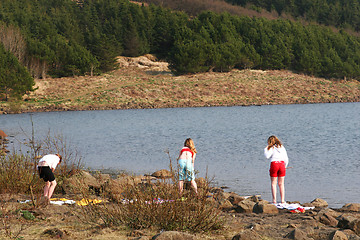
(338, 13)
(66, 38)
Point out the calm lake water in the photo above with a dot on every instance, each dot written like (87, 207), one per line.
(322, 140)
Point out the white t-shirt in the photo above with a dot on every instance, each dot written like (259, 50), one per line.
(51, 160)
(277, 154)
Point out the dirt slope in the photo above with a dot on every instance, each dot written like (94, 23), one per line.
(145, 83)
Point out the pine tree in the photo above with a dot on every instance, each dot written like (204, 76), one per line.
(15, 80)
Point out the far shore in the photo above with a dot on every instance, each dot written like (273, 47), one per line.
(134, 88)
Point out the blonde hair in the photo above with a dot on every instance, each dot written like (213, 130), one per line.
(190, 144)
(273, 141)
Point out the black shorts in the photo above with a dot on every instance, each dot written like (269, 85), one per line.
(46, 173)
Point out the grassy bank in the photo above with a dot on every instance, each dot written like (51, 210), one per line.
(132, 87)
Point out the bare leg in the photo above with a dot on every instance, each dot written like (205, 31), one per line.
(46, 189)
(181, 186)
(194, 186)
(282, 189)
(273, 188)
(49, 189)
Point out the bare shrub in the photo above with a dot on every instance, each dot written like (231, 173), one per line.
(157, 205)
(13, 40)
(19, 173)
(140, 205)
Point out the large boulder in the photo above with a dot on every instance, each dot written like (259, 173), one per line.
(329, 220)
(319, 203)
(351, 207)
(245, 206)
(163, 173)
(265, 207)
(234, 198)
(338, 235)
(82, 180)
(328, 217)
(349, 221)
(355, 226)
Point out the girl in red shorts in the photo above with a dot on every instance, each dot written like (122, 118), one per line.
(279, 161)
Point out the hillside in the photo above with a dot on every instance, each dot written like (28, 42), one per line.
(145, 83)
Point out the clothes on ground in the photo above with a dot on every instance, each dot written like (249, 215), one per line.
(85, 202)
(293, 207)
(62, 201)
(154, 201)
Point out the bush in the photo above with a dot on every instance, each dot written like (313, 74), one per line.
(19, 173)
(157, 205)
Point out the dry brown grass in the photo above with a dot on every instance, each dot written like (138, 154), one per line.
(131, 87)
(157, 206)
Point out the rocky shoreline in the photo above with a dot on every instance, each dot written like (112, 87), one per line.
(245, 217)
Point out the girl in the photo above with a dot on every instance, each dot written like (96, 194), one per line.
(279, 161)
(186, 161)
(46, 167)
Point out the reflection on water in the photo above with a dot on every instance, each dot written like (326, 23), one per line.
(322, 141)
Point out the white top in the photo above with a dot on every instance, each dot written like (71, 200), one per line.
(50, 160)
(277, 154)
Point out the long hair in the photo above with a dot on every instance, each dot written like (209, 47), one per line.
(273, 141)
(190, 144)
(59, 157)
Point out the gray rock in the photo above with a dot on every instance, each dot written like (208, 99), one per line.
(163, 173)
(328, 219)
(265, 207)
(245, 206)
(320, 203)
(352, 207)
(355, 226)
(345, 221)
(81, 180)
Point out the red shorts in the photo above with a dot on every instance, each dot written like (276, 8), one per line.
(277, 169)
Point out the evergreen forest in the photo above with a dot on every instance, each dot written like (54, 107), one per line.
(338, 13)
(69, 38)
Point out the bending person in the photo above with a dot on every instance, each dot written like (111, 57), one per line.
(186, 161)
(279, 161)
(46, 167)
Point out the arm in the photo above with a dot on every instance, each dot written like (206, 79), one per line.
(286, 158)
(193, 160)
(268, 153)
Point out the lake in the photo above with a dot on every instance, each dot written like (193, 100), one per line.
(322, 141)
